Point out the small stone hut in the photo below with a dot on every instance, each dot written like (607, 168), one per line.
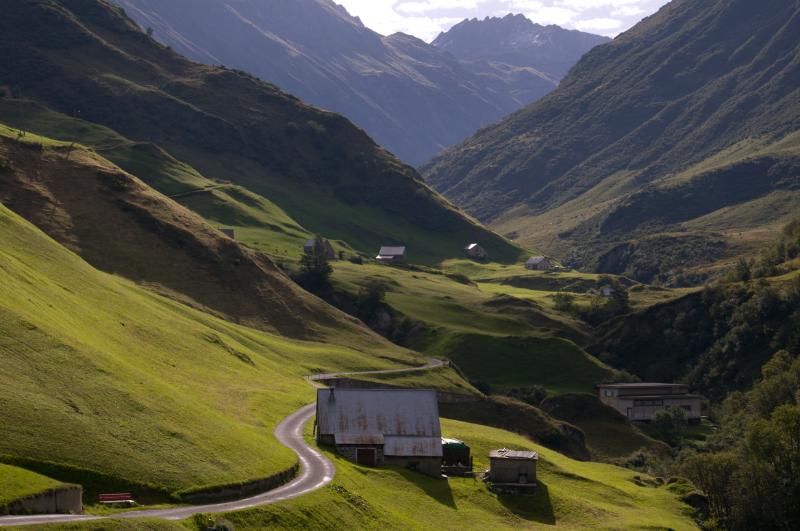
(513, 467)
(540, 263)
(392, 254)
(476, 252)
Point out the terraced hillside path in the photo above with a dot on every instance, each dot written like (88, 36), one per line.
(316, 470)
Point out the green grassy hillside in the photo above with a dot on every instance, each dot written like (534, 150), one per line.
(326, 174)
(120, 225)
(685, 123)
(16, 483)
(502, 340)
(124, 383)
(570, 495)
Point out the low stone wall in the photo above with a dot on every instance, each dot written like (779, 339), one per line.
(60, 500)
(240, 490)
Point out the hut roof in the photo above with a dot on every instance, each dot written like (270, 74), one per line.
(534, 260)
(505, 453)
(392, 251)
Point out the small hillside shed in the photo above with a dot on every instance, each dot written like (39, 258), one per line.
(375, 427)
(311, 244)
(476, 252)
(513, 467)
(540, 263)
(392, 254)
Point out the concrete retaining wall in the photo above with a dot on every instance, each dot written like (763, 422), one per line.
(61, 500)
(240, 490)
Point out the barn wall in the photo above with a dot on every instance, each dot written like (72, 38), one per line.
(509, 470)
(349, 452)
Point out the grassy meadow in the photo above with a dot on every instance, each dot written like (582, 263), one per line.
(16, 483)
(570, 495)
(126, 384)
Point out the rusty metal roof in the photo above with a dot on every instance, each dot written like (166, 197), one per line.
(392, 251)
(505, 453)
(358, 438)
(406, 446)
(413, 412)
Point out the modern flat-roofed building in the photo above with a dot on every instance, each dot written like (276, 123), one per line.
(641, 401)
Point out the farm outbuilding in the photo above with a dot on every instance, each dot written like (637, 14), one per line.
(327, 248)
(513, 468)
(540, 263)
(375, 427)
(476, 252)
(392, 254)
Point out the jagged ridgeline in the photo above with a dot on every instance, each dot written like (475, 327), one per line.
(675, 145)
(88, 63)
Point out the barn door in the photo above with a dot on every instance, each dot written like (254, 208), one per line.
(365, 456)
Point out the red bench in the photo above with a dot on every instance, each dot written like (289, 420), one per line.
(122, 498)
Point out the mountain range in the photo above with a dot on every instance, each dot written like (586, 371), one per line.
(669, 148)
(237, 148)
(412, 97)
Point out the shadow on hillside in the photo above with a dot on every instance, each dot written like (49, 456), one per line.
(437, 489)
(536, 508)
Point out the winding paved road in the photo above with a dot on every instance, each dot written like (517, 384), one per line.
(316, 471)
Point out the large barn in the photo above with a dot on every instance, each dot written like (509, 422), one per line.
(374, 427)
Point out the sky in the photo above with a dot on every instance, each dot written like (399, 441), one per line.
(426, 18)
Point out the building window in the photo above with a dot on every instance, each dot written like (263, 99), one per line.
(608, 392)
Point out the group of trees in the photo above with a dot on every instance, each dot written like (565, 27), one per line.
(601, 308)
(315, 269)
(773, 261)
(751, 474)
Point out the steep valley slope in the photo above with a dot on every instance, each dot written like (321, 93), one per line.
(673, 147)
(412, 97)
(318, 168)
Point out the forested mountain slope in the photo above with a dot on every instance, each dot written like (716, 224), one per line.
(411, 97)
(686, 125)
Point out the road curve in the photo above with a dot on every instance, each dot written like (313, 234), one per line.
(316, 471)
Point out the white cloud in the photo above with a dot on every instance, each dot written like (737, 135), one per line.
(598, 24)
(426, 18)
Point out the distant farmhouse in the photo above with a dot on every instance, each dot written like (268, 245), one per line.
(540, 263)
(641, 401)
(392, 255)
(311, 244)
(476, 252)
(373, 427)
